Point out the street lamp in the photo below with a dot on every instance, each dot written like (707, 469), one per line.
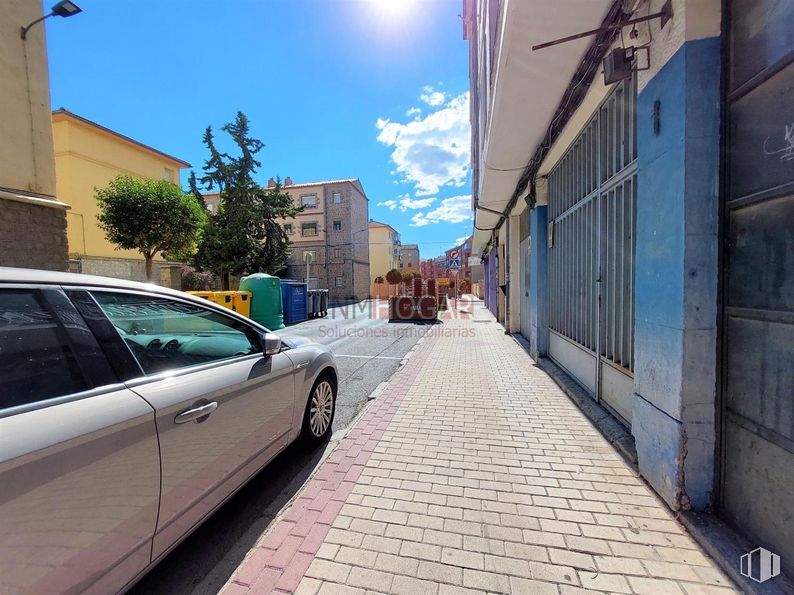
(64, 8)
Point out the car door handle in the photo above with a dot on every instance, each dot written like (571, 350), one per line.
(195, 413)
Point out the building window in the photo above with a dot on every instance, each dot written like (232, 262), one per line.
(288, 228)
(340, 281)
(311, 254)
(337, 197)
(337, 225)
(168, 174)
(309, 229)
(337, 253)
(309, 201)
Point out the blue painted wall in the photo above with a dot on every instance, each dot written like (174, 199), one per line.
(676, 275)
(538, 290)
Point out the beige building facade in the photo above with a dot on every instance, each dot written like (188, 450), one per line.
(32, 214)
(331, 233)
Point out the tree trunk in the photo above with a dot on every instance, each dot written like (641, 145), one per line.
(148, 258)
(225, 281)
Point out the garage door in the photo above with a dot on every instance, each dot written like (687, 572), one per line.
(758, 354)
(592, 211)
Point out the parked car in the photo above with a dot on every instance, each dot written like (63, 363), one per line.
(128, 414)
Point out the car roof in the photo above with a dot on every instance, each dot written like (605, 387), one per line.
(19, 275)
(37, 276)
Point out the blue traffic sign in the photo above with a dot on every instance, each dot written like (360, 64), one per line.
(454, 263)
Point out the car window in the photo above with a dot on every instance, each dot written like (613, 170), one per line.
(36, 362)
(166, 334)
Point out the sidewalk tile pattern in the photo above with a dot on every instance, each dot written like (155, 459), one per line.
(474, 473)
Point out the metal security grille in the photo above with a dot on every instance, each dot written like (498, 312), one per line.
(592, 198)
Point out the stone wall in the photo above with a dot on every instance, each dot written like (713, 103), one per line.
(32, 236)
(127, 268)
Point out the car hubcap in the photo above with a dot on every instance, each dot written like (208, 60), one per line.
(322, 407)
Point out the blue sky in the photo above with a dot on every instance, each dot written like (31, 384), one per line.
(375, 89)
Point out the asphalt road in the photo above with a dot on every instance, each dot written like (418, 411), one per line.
(368, 350)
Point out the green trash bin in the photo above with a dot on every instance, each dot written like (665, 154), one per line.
(266, 305)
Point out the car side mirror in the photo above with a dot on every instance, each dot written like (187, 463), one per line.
(271, 344)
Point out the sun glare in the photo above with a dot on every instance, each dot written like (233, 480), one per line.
(393, 9)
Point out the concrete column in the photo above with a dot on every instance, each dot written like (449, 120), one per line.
(678, 124)
(538, 290)
(514, 254)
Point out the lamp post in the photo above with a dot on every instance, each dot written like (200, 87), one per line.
(64, 8)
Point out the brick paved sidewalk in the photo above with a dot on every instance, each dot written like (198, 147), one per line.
(473, 473)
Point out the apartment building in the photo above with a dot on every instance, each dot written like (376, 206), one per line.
(409, 256)
(644, 244)
(331, 235)
(384, 249)
(88, 156)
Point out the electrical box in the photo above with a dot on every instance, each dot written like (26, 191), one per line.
(617, 66)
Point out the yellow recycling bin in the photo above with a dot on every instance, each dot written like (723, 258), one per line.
(239, 301)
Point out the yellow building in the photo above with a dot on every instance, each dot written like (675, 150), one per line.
(89, 156)
(384, 249)
(32, 219)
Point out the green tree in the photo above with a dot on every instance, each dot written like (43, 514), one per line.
(394, 277)
(244, 235)
(150, 216)
(409, 275)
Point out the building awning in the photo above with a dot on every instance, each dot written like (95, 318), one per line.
(528, 86)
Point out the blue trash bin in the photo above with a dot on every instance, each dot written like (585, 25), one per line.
(294, 299)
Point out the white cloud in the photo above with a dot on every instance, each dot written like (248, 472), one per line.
(389, 204)
(414, 111)
(415, 203)
(432, 97)
(460, 240)
(431, 152)
(456, 209)
(405, 202)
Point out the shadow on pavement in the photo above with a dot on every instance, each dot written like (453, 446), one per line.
(208, 557)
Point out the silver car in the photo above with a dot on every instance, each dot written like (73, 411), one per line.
(128, 414)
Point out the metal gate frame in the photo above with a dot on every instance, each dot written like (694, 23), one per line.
(592, 218)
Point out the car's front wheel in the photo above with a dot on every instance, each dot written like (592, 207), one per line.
(320, 408)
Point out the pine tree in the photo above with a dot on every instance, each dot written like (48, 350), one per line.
(244, 235)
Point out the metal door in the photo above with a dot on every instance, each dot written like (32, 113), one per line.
(758, 228)
(592, 199)
(217, 422)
